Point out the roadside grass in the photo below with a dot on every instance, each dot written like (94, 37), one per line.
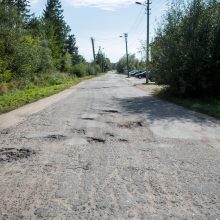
(20, 97)
(209, 106)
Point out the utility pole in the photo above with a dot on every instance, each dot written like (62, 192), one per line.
(126, 44)
(148, 37)
(101, 56)
(147, 5)
(93, 50)
(103, 60)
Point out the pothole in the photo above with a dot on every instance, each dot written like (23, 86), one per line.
(55, 137)
(110, 134)
(131, 124)
(91, 119)
(79, 131)
(111, 111)
(95, 140)
(5, 131)
(123, 140)
(13, 154)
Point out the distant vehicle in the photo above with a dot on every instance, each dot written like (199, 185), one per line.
(136, 72)
(144, 74)
(141, 75)
(131, 73)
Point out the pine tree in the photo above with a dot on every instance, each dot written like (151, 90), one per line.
(56, 29)
(22, 6)
(72, 49)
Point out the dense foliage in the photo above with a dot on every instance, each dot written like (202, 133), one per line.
(31, 48)
(102, 61)
(133, 63)
(186, 50)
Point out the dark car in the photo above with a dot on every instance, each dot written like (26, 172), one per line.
(133, 72)
(136, 72)
(141, 75)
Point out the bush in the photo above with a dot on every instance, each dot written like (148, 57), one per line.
(122, 63)
(186, 49)
(80, 70)
(3, 88)
(67, 63)
(5, 76)
(57, 79)
(26, 59)
(46, 60)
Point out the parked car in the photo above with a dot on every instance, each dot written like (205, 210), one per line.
(136, 72)
(141, 75)
(133, 72)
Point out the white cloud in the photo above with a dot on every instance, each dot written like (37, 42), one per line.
(102, 4)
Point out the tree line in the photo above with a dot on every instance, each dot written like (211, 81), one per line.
(32, 46)
(186, 49)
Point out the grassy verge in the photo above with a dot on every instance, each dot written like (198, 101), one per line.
(209, 106)
(17, 98)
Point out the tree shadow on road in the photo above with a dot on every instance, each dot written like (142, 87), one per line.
(156, 109)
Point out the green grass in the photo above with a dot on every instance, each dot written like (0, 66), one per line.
(17, 98)
(209, 106)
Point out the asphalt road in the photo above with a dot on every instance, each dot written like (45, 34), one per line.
(109, 150)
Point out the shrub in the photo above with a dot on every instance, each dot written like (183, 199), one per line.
(3, 88)
(186, 49)
(80, 69)
(5, 76)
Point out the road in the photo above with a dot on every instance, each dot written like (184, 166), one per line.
(109, 150)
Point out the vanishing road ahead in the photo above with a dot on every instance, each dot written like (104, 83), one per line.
(107, 149)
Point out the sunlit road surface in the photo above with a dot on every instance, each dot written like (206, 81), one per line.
(109, 150)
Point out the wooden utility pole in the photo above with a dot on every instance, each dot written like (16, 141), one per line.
(148, 37)
(126, 43)
(93, 50)
(147, 5)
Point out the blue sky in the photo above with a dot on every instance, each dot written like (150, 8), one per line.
(106, 20)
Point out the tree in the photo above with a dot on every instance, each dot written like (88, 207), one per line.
(22, 6)
(186, 49)
(72, 49)
(132, 61)
(103, 62)
(56, 30)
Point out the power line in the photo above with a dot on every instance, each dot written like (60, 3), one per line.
(137, 20)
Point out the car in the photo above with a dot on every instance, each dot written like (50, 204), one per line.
(141, 75)
(133, 72)
(136, 72)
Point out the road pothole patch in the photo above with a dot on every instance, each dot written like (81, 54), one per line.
(58, 137)
(123, 140)
(90, 119)
(131, 124)
(95, 140)
(79, 131)
(13, 154)
(5, 131)
(111, 111)
(110, 135)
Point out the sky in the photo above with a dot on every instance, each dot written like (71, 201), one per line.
(106, 21)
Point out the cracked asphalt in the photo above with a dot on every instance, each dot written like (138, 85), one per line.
(110, 150)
